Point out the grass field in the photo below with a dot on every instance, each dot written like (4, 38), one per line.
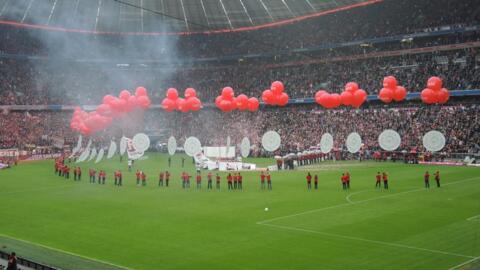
(78, 225)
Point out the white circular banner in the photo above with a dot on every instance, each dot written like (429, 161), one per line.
(354, 142)
(434, 141)
(172, 145)
(123, 145)
(192, 146)
(141, 142)
(326, 143)
(271, 141)
(389, 140)
(245, 147)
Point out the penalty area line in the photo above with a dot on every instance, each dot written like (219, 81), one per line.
(464, 263)
(371, 241)
(65, 252)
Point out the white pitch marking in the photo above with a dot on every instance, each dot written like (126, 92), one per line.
(474, 217)
(64, 251)
(348, 197)
(370, 241)
(462, 264)
(359, 202)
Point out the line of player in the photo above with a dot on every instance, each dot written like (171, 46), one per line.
(379, 177)
(234, 180)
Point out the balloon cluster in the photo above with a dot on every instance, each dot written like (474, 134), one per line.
(391, 91)
(327, 100)
(351, 96)
(434, 93)
(275, 95)
(88, 123)
(173, 102)
(112, 107)
(227, 101)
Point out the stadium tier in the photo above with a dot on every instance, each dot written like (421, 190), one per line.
(242, 134)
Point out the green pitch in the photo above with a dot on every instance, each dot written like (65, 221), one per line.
(78, 225)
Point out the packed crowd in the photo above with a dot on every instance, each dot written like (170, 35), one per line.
(40, 83)
(302, 127)
(28, 130)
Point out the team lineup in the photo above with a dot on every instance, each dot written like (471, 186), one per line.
(234, 180)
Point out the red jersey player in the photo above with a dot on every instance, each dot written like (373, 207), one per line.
(209, 178)
(437, 178)
(199, 181)
(426, 179)
(385, 180)
(262, 180)
(167, 178)
(378, 181)
(309, 181)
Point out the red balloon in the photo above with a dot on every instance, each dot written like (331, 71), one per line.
(190, 92)
(131, 103)
(428, 96)
(390, 82)
(324, 100)
(346, 97)
(443, 96)
(400, 93)
(169, 105)
(182, 105)
(108, 99)
(104, 109)
(268, 97)
(277, 87)
(351, 87)
(218, 100)
(282, 99)
(194, 103)
(336, 100)
(319, 93)
(386, 95)
(253, 104)
(359, 98)
(226, 105)
(124, 94)
(227, 93)
(172, 93)
(140, 91)
(143, 102)
(434, 83)
(242, 102)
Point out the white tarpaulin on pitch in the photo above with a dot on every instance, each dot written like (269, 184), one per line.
(219, 151)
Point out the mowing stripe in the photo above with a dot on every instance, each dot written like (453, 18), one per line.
(34, 189)
(358, 202)
(66, 252)
(371, 241)
(464, 263)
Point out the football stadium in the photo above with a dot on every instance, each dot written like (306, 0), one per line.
(239, 134)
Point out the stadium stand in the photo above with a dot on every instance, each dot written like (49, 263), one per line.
(327, 60)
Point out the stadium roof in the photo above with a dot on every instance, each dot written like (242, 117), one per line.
(160, 16)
